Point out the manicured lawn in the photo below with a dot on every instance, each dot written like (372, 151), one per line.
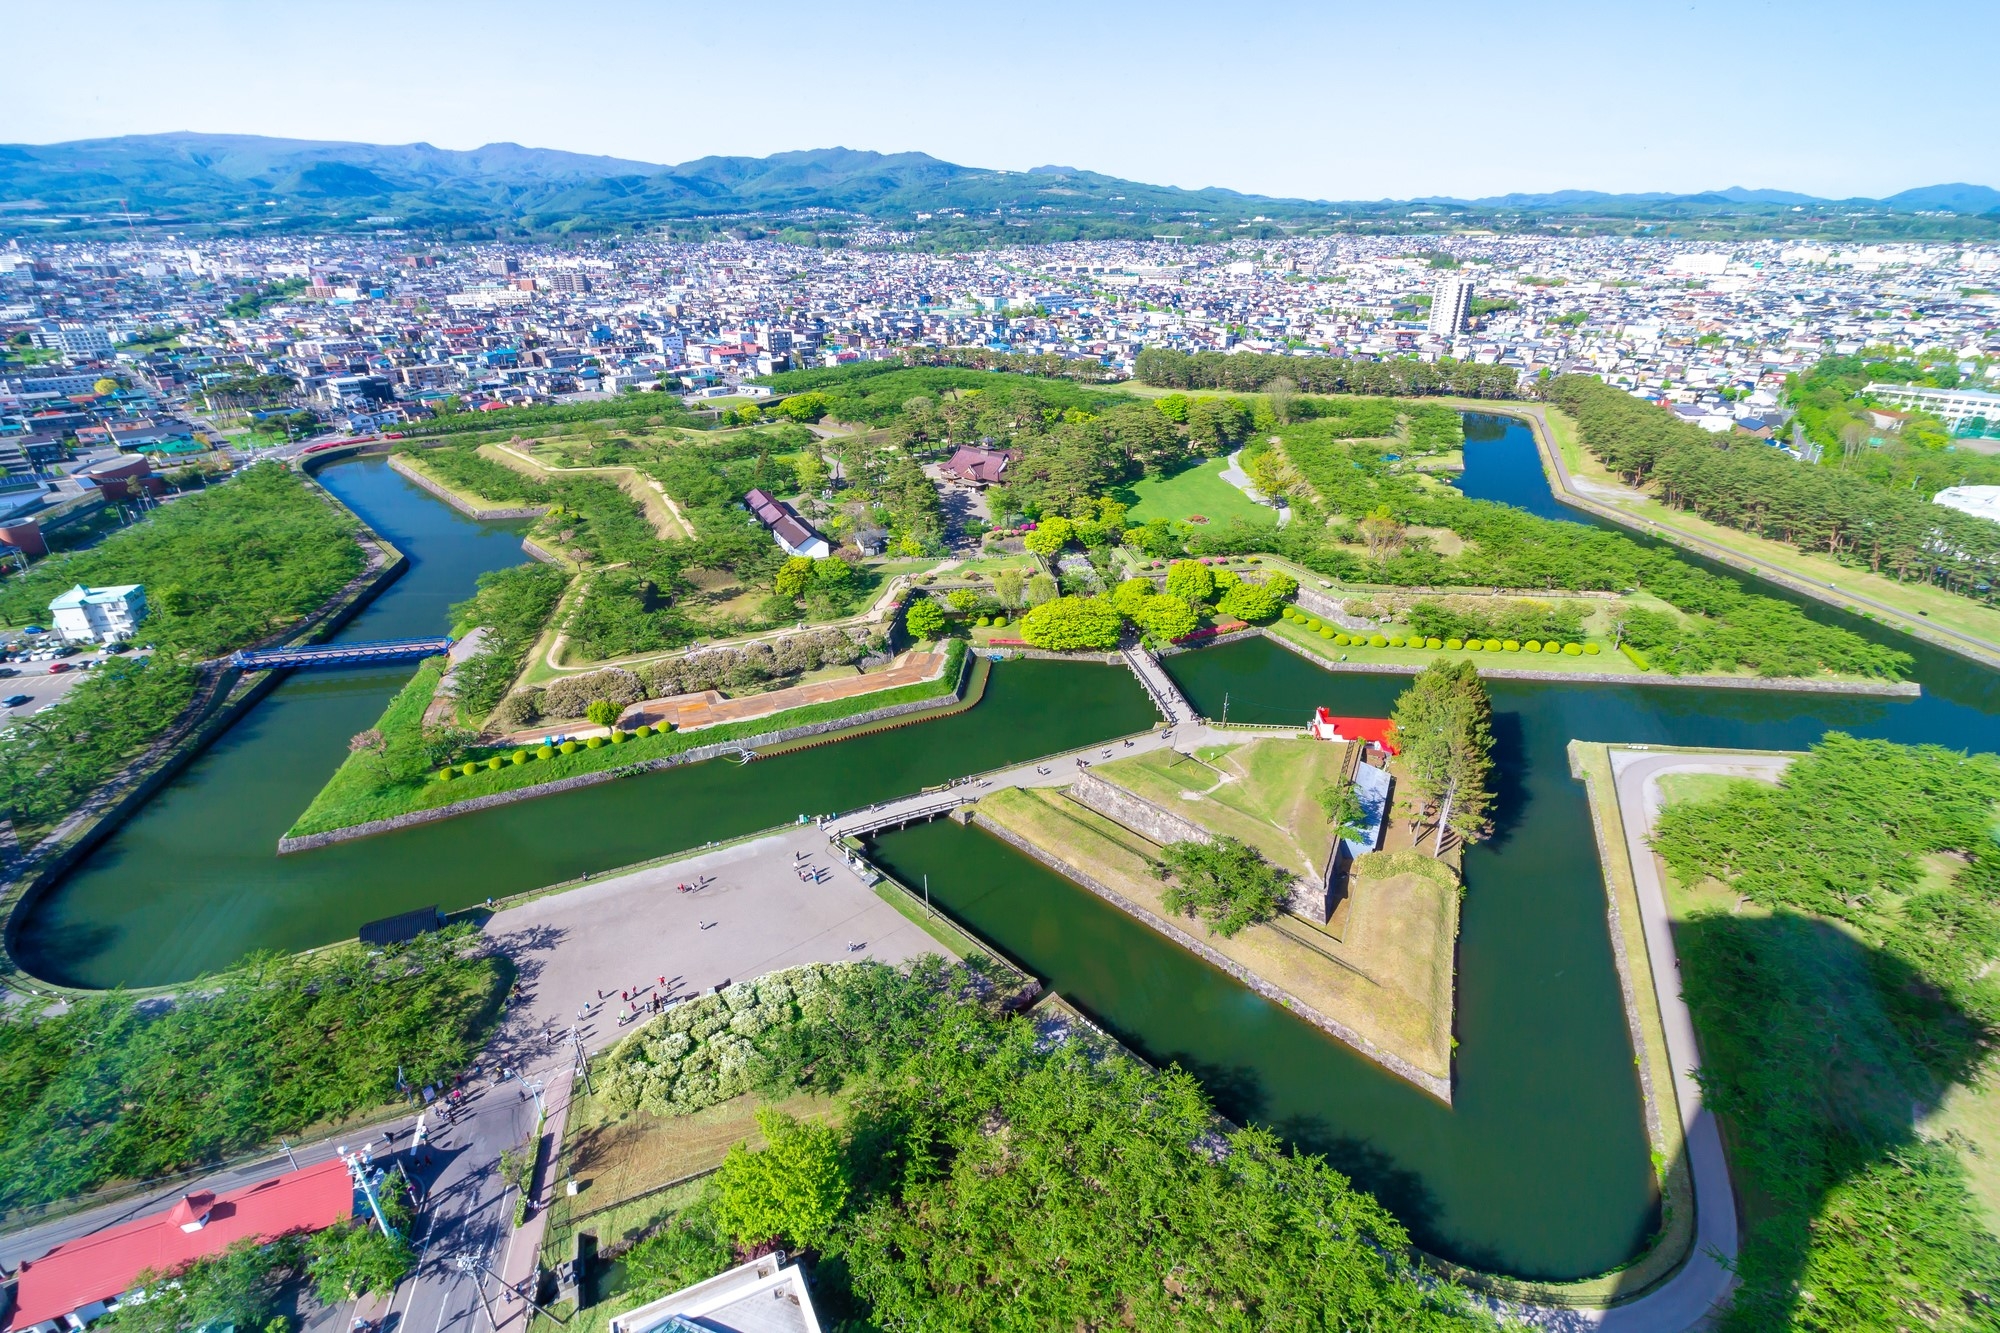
(1263, 793)
(1196, 490)
(1675, 787)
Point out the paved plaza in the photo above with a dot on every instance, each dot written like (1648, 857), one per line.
(752, 914)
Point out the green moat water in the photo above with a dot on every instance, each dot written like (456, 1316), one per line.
(1538, 1168)
(193, 882)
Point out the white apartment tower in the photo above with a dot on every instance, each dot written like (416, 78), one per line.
(1450, 304)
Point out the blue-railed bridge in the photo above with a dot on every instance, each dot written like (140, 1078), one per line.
(341, 654)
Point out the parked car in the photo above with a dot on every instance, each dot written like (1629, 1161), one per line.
(16, 700)
(118, 646)
(9, 671)
(68, 650)
(57, 668)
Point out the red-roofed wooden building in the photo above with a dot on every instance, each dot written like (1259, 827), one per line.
(1371, 730)
(81, 1279)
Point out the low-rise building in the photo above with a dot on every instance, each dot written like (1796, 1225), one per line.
(99, 615)
(786, 527)
(767, 1295)
(83, 1279)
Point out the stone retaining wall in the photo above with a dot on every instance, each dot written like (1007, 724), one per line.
(457, 501)
(1144, 818)
(1897, 689)
(1333, 1027)
(1158, 824)
(699, 754)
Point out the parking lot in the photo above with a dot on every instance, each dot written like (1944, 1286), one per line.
(42, 686)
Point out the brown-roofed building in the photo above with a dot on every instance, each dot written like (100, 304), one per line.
(785, 526)
(979, 467)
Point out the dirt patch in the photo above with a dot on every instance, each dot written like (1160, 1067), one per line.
(708, 708)
(711, 580)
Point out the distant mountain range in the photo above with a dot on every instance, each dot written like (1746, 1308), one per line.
(233, 182)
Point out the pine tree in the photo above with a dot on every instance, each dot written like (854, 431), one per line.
(1444, 726)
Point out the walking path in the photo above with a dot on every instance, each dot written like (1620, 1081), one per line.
(1237, 477)
(1160, 687)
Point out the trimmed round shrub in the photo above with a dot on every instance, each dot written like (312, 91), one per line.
(1591, 650)
(619, 737)
(545, 752)
(643, 730)
(522, 756)
(1314, 626)
(1342, 640)
(1377, 641)
(981, 621)
(594, 743)
(1532, 646)
(1395, 641)
(1572, 650)
(1453, 644)
(1510, 646)
(665, 727)
(468, 768)
(495, 764)
(567, 747)
(1326, 632)
(1433, 643)
(1493, 645)
(1475, 645)
(447, 774)
(999, 622)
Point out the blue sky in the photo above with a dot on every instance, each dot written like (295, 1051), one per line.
(1333, 100)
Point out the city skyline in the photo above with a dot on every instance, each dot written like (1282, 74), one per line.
(1339, 103)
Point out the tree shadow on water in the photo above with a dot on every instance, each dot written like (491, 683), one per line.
(1511, 767)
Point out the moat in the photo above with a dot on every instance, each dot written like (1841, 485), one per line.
(1539, 1168)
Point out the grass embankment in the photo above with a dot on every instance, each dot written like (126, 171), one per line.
(401, 777)
(1263, 793)
(1836, 934)
(1925, 602)
(1389, 979)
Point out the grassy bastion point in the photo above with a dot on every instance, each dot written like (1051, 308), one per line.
(1386, 977)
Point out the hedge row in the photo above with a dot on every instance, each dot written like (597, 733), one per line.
(1342, 639)
(524, 756)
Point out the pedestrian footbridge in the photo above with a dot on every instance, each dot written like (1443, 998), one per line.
(341, 654)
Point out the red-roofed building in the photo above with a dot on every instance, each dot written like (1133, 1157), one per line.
(81, 1279)
(1372, 730)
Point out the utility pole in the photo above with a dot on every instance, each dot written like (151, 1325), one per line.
(467, 1264)
(582, 1060)
(288, 1154)
(359, 1167)
(927, 894)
